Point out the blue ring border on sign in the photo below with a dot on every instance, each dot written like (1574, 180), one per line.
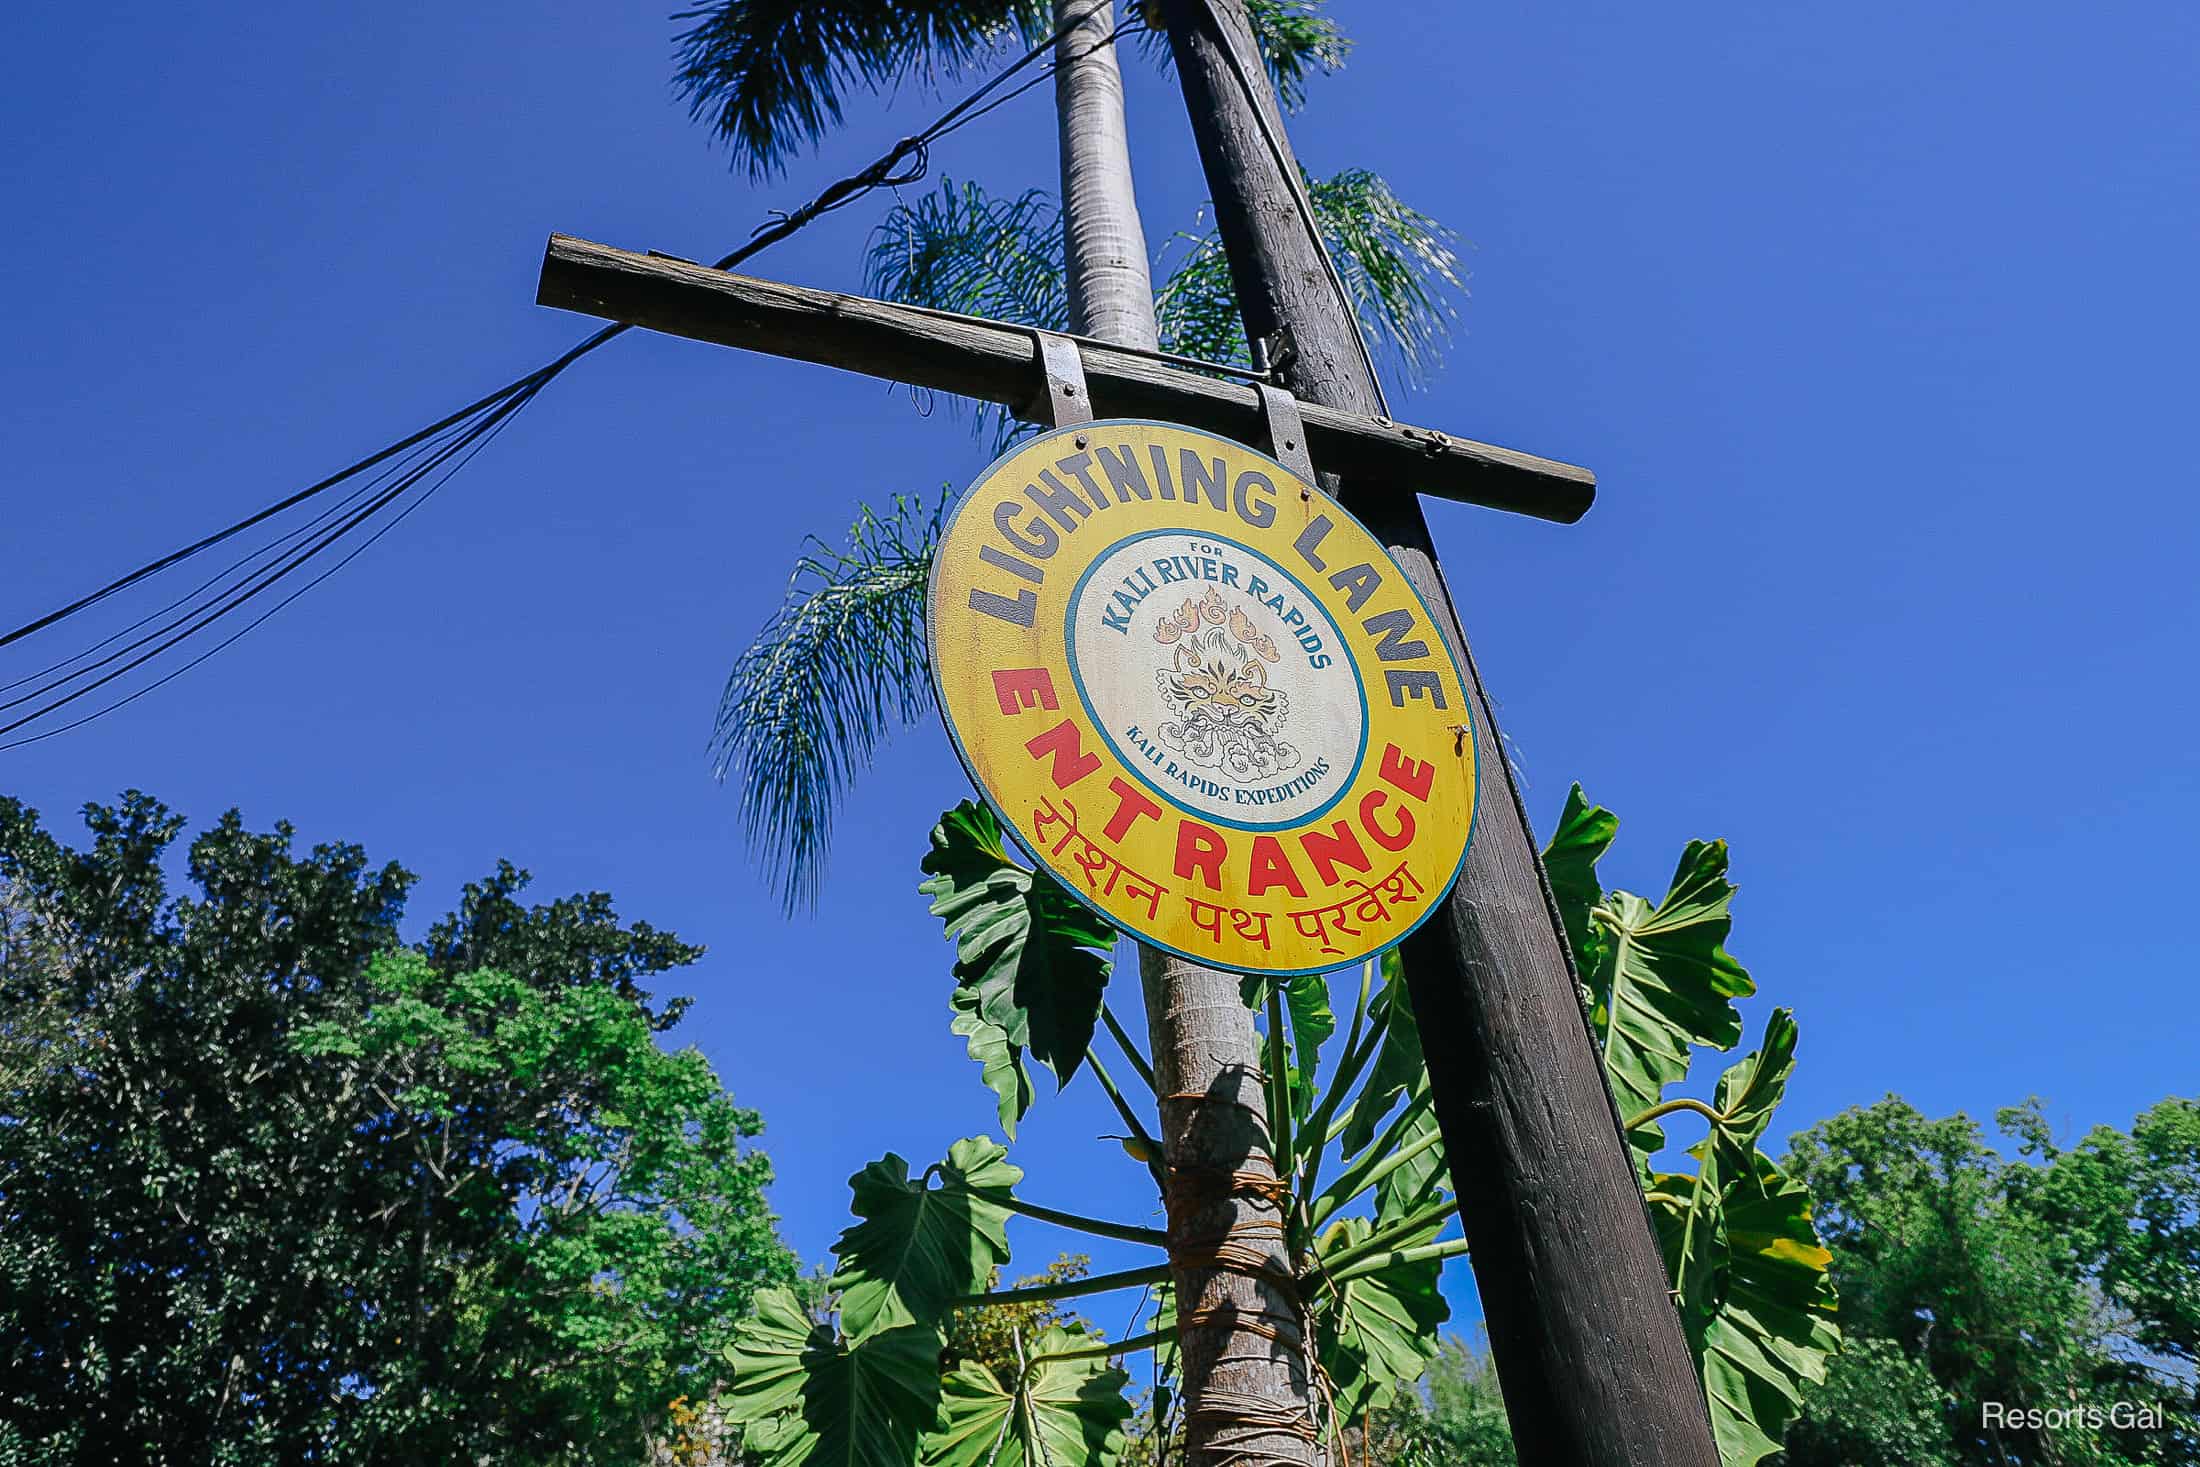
(1137, 766)
(1016, 832)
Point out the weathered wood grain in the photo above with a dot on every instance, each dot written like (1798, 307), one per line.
(999, 363)
(1589, 1349)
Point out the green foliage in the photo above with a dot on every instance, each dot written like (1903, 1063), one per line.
(839, 665)
(801, 1394)
(1397, 264)
(768, 75)
(1456, 1418)
(278, 1189)
(1377, 1329)
(1977, 1271)
(919, 1246)
(990, 1334)
(1878, 1404)
(958, 248)
(1661, 982)
(1053, 1410)
(1029, 968)
(1748, 1270)
(1306, 999)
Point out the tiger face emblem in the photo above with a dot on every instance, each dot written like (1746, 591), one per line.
(1224, 715)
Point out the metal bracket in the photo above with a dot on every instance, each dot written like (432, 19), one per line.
(1286, 431)
(1069, 401)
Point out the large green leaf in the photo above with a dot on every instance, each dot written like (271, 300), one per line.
(1756, 1297)
(920, 1246)
(1023, 945)
(1663, 982)
(803, 1398)
(1061, 1413)
(1399, 1068)
(1001, 1064)
(1751, 1090)
(1415, 1183)
(1584, 834)
(1377, 1332)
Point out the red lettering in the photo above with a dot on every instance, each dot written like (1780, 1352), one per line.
(1065, 743)
(1327, 848)
(1019, 688)
(1200, 848)
(1129, 805)
(1393, 840)
(1410, 775)
(1271, 867)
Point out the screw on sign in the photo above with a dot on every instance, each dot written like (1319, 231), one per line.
(1203, 696)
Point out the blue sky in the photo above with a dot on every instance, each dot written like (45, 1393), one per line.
(1875, 325)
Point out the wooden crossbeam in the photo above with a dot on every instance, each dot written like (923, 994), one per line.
(999, 363)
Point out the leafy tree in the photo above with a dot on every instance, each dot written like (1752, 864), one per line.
(2058, 1283)
(274, 1187)
(1456, 1418)
(1878, 1404)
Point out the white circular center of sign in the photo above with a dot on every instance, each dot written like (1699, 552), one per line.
(1218, 678)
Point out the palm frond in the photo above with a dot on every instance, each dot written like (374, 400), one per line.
(1296, 40)
(1398, 265)
(768, 75)
(959, 248)
(838, 667)
(1195, 309)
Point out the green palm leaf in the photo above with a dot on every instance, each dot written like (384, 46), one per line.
(768, 75)
(839, 665)
(1398, 266)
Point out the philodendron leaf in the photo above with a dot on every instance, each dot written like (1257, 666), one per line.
(1060, 1413)
(1377, 1332)
(1415, 1183)
(1757, 1301)
(1584, 834)
(1001, 1064)
(920, 1246)
(1312, 1023)
(1033, 956)
(803, 1398)
(1663, 982)
(1399, 1068)
(1751, 1090)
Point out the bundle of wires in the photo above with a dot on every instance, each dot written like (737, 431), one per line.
(384, 488)
(382, 495)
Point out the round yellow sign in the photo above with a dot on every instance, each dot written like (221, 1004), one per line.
(1202, 695)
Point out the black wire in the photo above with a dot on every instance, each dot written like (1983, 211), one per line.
(153, 567)
(242, 591)
(880, 173)
(455, 455)
(367, 487)
(906, 162)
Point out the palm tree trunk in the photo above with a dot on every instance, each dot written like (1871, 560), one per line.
(1246, 1384)
(1110, 290)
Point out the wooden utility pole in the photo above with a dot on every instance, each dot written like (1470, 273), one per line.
(1588, 1346)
